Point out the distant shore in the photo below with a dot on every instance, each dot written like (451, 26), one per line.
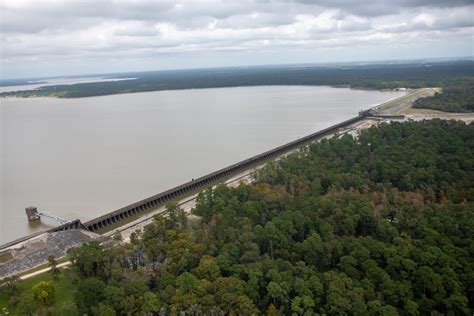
(382, 77)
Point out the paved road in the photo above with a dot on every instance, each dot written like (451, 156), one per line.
(402, 103)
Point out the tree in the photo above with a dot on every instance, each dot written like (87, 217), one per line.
(43, 292)
(27, 305)
(208, 269)
(176, 217)
(89, 293)
(136, 287)
(151, 304)
(10, 286)
(271, 310)
(313, 251)
(54, 269)
(103, 310)
(277, 293)
(186, 283)
(113, 296)
(300, 305)
(90, 260)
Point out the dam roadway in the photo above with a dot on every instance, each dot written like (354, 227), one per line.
(124, 214)
(135, 210)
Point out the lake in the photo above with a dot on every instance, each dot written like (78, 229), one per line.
(81, 158)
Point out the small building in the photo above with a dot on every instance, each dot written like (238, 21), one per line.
(32, 213)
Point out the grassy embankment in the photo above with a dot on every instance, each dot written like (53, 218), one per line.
(5, 256)
(457, 97)
(63, 289)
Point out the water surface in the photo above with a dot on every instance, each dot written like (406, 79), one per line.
(80, 158)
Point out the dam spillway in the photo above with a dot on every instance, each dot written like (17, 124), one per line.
(108, 152)
(121, 215)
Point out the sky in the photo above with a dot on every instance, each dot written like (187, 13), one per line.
(41, 38)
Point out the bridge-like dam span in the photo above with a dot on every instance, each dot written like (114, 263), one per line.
(115, 218)
(130, 212)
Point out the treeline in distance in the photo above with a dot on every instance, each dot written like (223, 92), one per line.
(456, 97)
(368, 76)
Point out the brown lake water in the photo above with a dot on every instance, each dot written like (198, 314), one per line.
(81, 158)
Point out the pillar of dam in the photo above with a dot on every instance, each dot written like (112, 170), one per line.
(196, 184)
(32, 213)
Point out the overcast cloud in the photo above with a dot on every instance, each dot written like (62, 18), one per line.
(48, 37)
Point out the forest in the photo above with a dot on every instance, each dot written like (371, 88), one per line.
(381, 224)
(362, 76)
(457, 97)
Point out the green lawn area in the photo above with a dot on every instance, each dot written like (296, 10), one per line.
(5, 256)
(63, 289)
(3, 301)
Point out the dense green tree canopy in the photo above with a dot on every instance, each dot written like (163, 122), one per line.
(379, 225)
(373, 76)
(456, 97)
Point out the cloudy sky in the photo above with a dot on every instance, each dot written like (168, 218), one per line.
(53, 37)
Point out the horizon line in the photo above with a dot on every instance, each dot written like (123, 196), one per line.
(302, 64)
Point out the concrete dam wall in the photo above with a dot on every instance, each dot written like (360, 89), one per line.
(132, 211)
(120, 215)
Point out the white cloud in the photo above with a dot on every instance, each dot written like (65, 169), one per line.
(424, 18)
(56, 34)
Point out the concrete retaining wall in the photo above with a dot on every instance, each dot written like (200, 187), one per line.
(187, 188)
(119, 216)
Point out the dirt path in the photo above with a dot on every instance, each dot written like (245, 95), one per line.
(425, 114)
(38, 272)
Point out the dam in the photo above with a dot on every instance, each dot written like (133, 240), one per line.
(208, 180)
(117, 217)
(123, 215)
(95, 155)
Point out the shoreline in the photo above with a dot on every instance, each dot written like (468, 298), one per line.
(188, 202)
(24, 245)
(313, 100)
(139, 213)
(10, 97)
